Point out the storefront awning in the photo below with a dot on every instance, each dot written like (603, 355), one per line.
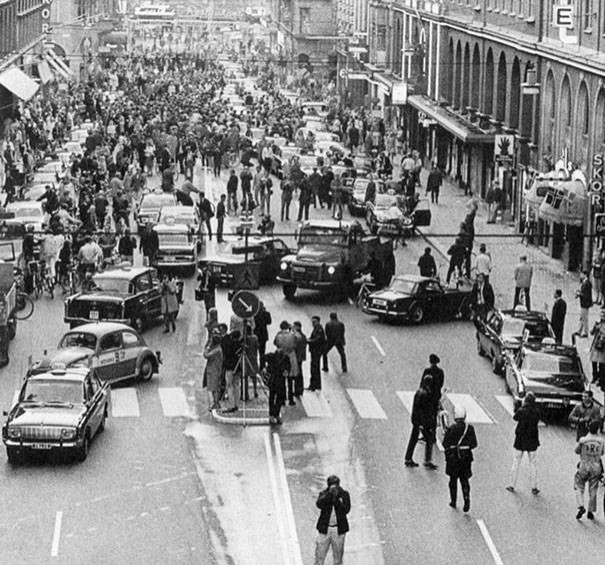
(52, 56)
(18, 83)
(46, 75)
(450, 121)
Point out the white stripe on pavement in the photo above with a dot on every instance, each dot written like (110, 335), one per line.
(174, 402)
(475, 414)
(54, 550)
(124, 403)
(366, 404)
(378, 346)
(490, 543)
(315, 405)
(407, 397)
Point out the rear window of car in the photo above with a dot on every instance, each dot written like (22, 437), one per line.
(551, 364)
(515, 327)
(78, 339)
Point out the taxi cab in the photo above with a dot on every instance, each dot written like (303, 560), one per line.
(178, 248)
(60, 410)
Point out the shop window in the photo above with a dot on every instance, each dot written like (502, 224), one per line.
(587, 15)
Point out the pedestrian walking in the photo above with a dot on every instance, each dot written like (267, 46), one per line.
(424, 419)
(221, 212)
(597, 351)
(126, 246)
(213, 371)
(304, 199)
(433, 183)
(426, 264)
(277, 369)
(590, 448)
(301, 356)
(332, 526)
(527, 441)
(206, 288)
(584, 413)
(232, 184)
(230, 344)
(557, 316)
(285, 341)
(482, 298)
(457, 253)
(458, 442)
(169, 302)
(286, 199)
(438, 376)
(584, 293)
(483, 262)
(317, 344)
(523, 275)
(262, 321)
(335, 337)
(149, 244)
(206, 210)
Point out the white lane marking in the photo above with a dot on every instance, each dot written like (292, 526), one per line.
(506, 401)
(366, 404)
(490, 543)
(125, 403)
(54, 550)
(293, 536)
(407, 398)
(174, 402)
(315, 405)
(277, 500)
(475, 414)
(378, 346)
(15, 398)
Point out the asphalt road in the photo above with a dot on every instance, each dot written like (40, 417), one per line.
(170, 485)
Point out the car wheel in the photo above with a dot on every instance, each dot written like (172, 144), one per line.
(289, 291)
(103, 423)
(480, 349)
(82, 452)
(496, 365)
(13, 455)
(146, 370)
(137, 324)
(416, 313)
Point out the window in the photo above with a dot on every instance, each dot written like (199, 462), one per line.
(130, 339)
(142, 283)
(305, 20)
(110, 341)
(587, 16)
(381, 37)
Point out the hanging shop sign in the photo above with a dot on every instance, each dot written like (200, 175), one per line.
(45, 15)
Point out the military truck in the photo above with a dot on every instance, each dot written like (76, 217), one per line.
(331, 254)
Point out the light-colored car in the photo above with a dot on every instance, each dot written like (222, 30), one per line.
(178, 246)
(52, 167)
(33, 192)
(151, 206)
(27, 213)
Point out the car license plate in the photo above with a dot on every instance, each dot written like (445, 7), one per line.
(215, 268)
(42, 446)
(298, 269)
(170, 259)
(379, 302)
(94, 315)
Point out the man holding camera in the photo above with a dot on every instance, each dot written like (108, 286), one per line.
(332, 525)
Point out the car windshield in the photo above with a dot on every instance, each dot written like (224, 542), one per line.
(173, 238)
(515, 327)
(26, 212)
(112, 285)
(315, 235)
(404, 286)
(551, 364)
(53, 392)
(385, 201)
(78, 339)
(157, 201)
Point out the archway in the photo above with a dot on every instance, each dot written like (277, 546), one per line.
(475, 78)
(466, 83)
(598, 134)
(449, 78)
(582, 121)
(549, 113)
(458, 77)
(488, 91)
(501, 89)
(515, 94)
(565, 113)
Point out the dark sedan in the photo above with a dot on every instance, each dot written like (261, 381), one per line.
(416, 298)
(505, 331)
(552, 372)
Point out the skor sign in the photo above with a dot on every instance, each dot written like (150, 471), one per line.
(45, 15)
(596, 189)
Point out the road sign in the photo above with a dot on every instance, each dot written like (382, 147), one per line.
(563, 16)
(599, 224)
(245, 304)
(246, 276)
(504, 146)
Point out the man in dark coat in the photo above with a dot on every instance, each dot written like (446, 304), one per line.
(316, 342)
(315, 181)
(277, 368)
(527, 441)
(424, 418)
(262, 321)
(149, 243)
(458, 443)
(332, 525)
(457, 253)
(557, 317)
(433, 183)
(426, 264)
(335, 337)
(206, 212)
(482, 297)
(438, 376)
(304, 199)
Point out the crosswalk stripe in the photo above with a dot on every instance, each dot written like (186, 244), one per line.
(366, 404)
(506, 401)
(475, 414)
(315, 405)
(407, 397)
(124, 403)
(174, 403)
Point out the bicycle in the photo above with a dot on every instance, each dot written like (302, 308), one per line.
(42, 280)
(24, 306)
(70, 280)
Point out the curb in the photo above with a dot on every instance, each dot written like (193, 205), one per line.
(240, 421)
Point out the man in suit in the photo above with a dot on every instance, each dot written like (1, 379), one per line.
(557, 318)
(482, 297)
(316, 342)
(335, 337)
(332, 525)
(206, 212)
(584, 293)
(221, 212)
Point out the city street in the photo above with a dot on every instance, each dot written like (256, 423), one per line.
(167, 484)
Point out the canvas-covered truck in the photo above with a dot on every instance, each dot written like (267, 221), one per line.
(330, 255)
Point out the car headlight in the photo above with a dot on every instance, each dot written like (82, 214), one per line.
(283, 266)
(331, 270)
(68, 433)
(14, 433)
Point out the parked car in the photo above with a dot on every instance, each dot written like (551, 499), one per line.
(25, 213)
(552, 372)
(357, 194)
(60, 410)
(505, 331)
(179, 247)
(264, 253)
(115, 351)
(150, 207)
(384, 216)
(127, 295)
(416, 298)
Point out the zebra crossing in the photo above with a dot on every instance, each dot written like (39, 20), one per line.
(367, 405)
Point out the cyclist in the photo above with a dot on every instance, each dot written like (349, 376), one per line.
(27, 253)
(90, 257)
